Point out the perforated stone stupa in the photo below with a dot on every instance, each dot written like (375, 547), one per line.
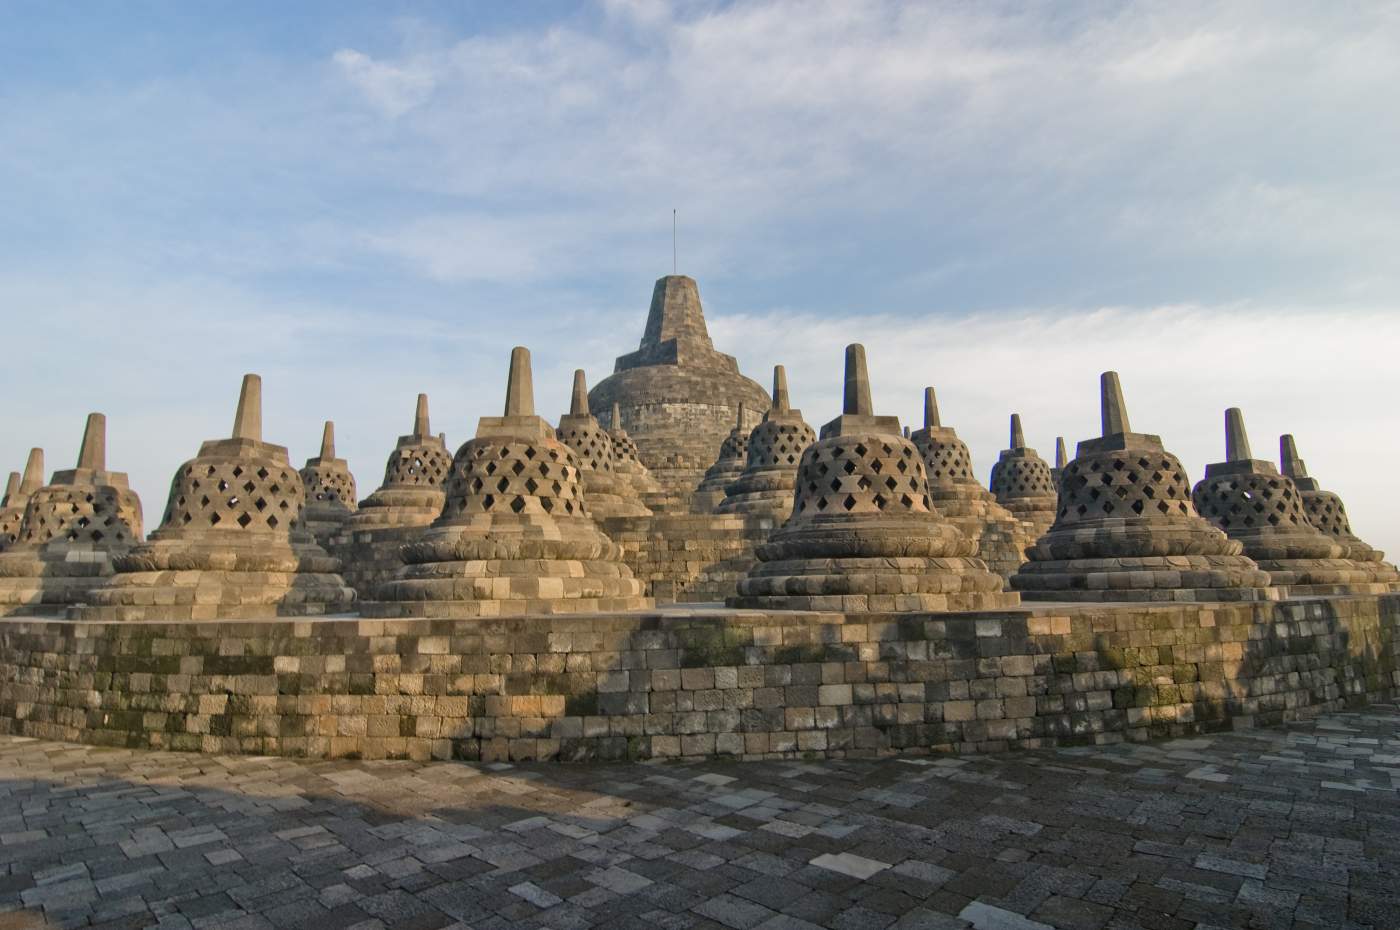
(412, 492)
(72, 528)
(1001, 538)
(629, 466)
(1326, 512)
(728, 466)
(1127, 529)
(17, 492)
(678, 396)
(515, 536)
(608, 493)
(1262, 509)
(1022, 483)
(411, 497)
(864, 535)
(330, 489)
(231, 544)
(765, 488)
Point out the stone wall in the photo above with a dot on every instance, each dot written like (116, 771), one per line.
(688, 558)
(693, 683)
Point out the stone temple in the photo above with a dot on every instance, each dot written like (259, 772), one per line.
(1128, 530)
(515, 536)
(17, 494)
(231, 543)
(1252, 502)
(701, 574)
(678, 396)
(864, 534)
(1001, 538)
(73, 527)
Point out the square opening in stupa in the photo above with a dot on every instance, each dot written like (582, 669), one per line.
(681, 566)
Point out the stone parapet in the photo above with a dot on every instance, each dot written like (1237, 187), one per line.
(696, 683)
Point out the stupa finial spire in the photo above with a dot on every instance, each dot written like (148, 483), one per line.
(1293, 465)
(780, 390)
(93, 452)
(520, 387)
(1061, 456)
(421, 426)
(616, 415)
(856, 400)
(11, 487)
(578, 402)
(1236, 439)
(328, 441)
(931, 418)
(1018, 435)
(739, 417)
(1113, 408)
(247, 422)
(33, 472)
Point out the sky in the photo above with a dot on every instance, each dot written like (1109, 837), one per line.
(361, 201)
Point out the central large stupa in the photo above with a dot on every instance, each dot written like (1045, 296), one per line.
(678, 396)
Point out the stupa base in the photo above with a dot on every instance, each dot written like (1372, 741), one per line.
(502, 607)
(1183, 578)
(216, 595)
(873, 584)
(46, 584)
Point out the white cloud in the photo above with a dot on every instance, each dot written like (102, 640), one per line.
(392, 89)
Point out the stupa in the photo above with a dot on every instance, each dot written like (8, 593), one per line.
(515, 536)
(72, 528)
(1326, 512)
(1127, 530)
(764, 490)
(627, 464)
(412, 492)
(1263, 510)
(733, 453)
(17, 492)
(330, 489)
(864, 535)
(678, 396)
(411, 497)
(1001, 538)
(607, 492)
(231, 544)
(1022, 483)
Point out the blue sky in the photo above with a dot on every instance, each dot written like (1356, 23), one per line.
(362, 201)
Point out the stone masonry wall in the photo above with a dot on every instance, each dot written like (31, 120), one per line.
(693, 683)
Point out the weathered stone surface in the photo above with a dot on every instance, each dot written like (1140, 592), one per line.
(1326, 512)
(231, 544)
(1127, 529)
(609, 494)
(677, 396)
(1000, 536)
(697, 682)
(1023, 484)
(515, 536)
(330, 490)
(1268, 827)
(728, 466)
(371, 540)
(688, 558)
(627, 464)
(765, 488)
(864, 534)
(1253, 503)
(17, 493)
(72, 528)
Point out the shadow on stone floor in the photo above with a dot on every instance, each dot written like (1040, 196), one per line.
(1291, 827)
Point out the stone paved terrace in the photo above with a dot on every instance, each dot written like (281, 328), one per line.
(1291, 827)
